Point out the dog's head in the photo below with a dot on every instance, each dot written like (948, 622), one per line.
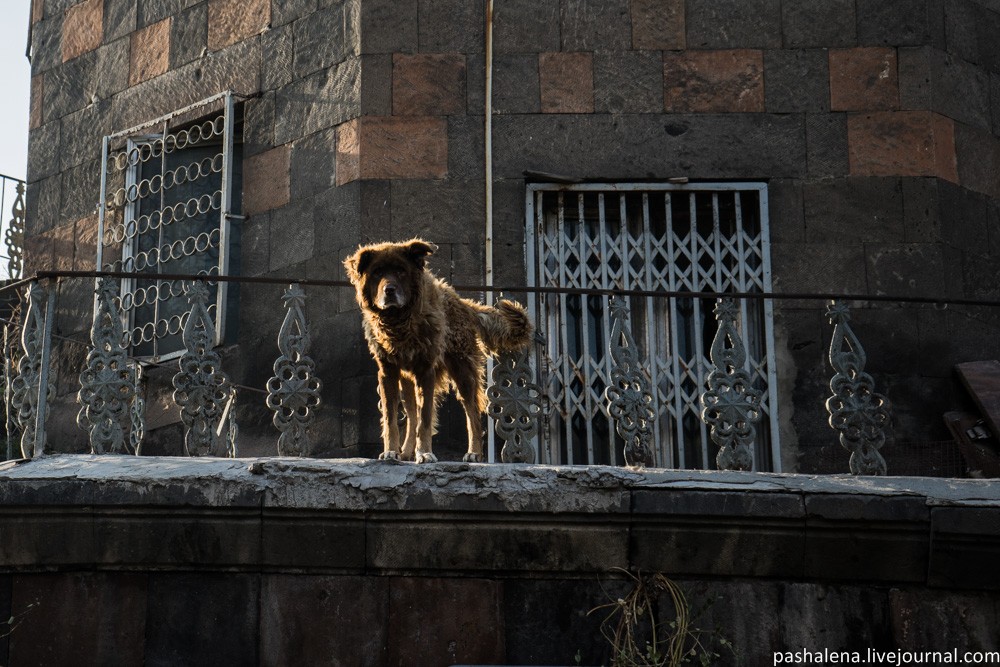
(387, 275)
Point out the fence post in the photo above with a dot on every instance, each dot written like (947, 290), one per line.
(294, 391)
(857, 412)
(514, 404)
(628, 395)
(730, 405)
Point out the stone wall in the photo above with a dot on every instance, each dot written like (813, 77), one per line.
(875, 125)
(132, 560)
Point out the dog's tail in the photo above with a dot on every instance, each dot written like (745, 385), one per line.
(505, 327)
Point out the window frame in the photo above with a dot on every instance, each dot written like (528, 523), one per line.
(671, 447)
(205, 111)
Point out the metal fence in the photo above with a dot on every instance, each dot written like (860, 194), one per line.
(111, 406)
(12, 192)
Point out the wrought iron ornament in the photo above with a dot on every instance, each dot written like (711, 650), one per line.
(731, 406)
(515, 402)
(107, 383)
(137, 415)
(201, 389)
(14, 236)
(12, 356)
(294, 391)
(857, 412)
(630, 402)
(29, 370)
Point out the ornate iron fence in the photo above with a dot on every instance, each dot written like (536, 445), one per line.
(12, 191)
(111, 408)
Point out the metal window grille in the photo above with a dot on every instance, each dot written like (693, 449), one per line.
(697, 238)
(167, 206)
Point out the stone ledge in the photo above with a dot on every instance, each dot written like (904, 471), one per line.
(384, 518)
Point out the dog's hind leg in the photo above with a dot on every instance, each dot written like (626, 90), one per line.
(427, 409)
(468, 383)
(409, 393)
(388, 389)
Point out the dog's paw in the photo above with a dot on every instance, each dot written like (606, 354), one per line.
(426, 457)
(388, 456)
(472, 457)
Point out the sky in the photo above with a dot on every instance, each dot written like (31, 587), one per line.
(15, 85)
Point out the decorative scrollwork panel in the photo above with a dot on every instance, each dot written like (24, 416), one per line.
(514, 404)
(629, 399)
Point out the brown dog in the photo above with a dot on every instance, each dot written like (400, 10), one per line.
(426, 340)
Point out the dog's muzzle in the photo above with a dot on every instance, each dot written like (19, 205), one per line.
(390, 295)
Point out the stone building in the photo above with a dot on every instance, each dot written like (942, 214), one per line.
(836, 148)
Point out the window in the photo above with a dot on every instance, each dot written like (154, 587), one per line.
(648, 237)
(170, 205)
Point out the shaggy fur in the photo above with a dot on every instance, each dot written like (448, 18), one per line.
(427, 340)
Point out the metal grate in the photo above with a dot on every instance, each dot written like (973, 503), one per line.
(167, 208)
(698, 238)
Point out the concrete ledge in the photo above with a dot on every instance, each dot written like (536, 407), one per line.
(370, 517)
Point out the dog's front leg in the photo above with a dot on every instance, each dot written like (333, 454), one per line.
(409, 394)
(388, 389)
(425, 383)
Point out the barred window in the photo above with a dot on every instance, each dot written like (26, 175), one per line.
(648, 237)
(170, 206)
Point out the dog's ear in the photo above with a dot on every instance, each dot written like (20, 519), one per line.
(357, 263)
(417, 250)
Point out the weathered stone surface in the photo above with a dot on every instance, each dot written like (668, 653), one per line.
(857, 618)
(657, 25)
(796, 80)
(734, 25)
(446, 26)
(66, 91)
(43, 152)
(944, 620)
(294, 606)
(46, 44)
(526, 26)
(320, 540)
(908, 269)
(515, 84)
(713, 81)
(978, 154)
(812, 24)
(151, 11)
(324, 99)
(323, 38)
(83, 28)
(904, 143)
(313, 164)
(962, 539)
(428, 84)
(905, 23)
(863, 79)
(590, 26)
(388, 26)
(232, 21)
(466, 152)
(628, 82)
(119, 18)
(99, 615)
(819, 268)
(277, 55)
(266, 180)
(468, 626)
(150, 52)
(566, 82)
(284, 12)
(826, 144)
(188, 35)
(221, 629)
(854, 210)
(444, 210)
(374, 147)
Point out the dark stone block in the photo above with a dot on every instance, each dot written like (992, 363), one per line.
(376, 85)
(717, 503)
(277, 53)
(388, 26)
(933, 620)
(302, 620)
(964, 541)
(643, 146)
(44, 152)
(317, 540)
(376, 222)
(995, 95)
(819, 268)
(313, 164)
(858, 507)
(188, 35)
(921, 212)
(466, 153)
(42, 200)
(907, 269)
(796, 80)
(285, 11)
(592, 26)
(216, 614)
(812, 24)
(438, 210)
(151, 11)
(961, 31)
(258, 126)
(119, 18)
(915, 85)
(978, 156)
(81, 187)
(851, 618)
(515, 85)
(100, 616)
(628, 82)
(66, 86)
(321, 40)
(962, 217)
(989, 28)
(446, 26)
(903, 23)
(960, 91)
(445, 622)
(167, 537)
(423, 544)
(46, 43)
(731, 24)
(111, 74)
(785, 217)
(535, 610)
(526, 26)
(854, 210)
(81, 139)
(319, 101)
(37, 538)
